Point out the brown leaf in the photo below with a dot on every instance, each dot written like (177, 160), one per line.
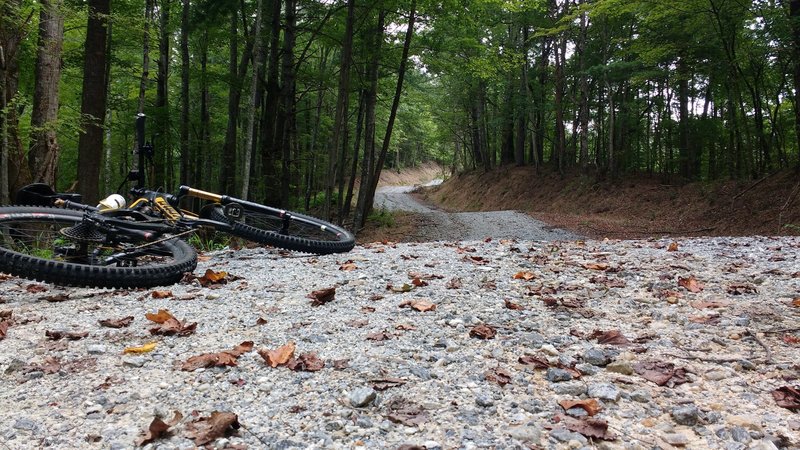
(527, 276)
(405, 327)
(340, 364)
(596, 266)
(661, 373)
(367, 309)
(418, 282)
(174, 327)
(261, 321)
(590, 405)
(589, 427)
(535, 361)
(610, 337)
(211, 277)
(35, 288)
(348, 266)
(220, 359)
(454, 283)
(380, 336)
(690, 284)
(796, 302)
(787, 397)
(499, 376)
(482, 331)
(4, 324)
(160, 317)
(162, 294)
(322, 296)
(117, 323)
(382, 384)
(512, 305)
(406, 413)
(398, 289)
(742, 288)
(477, 260)
(279, 356)
(673, 247)
(158, 429)
(56, 298)
(69, 335)
(790, 339)
(357, 323)
(418, 304)
(308, 362)
(6, 314)
(207, 429)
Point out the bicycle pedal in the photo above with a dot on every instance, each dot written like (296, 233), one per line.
(233, 211)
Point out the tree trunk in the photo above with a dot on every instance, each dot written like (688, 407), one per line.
(371, 96)
(163, 141)
(387, 138)
(335, 148)
(185, 62)
(93, 102)
(205, 115)
(583, 107)
(259, 56)
(268, 117)
(43, 151)
(683, 121)
(284, 138)
(794, 16)
(148, 13)
(348, 200)
(13, 170)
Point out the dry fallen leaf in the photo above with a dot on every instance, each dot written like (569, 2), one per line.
(587, 426)
(69, 335)
(116, 323)
(796, 302)
(56, 298)
(596, 266)
(673, 247)
(535, 361)
(787, 397)
(220, 359)
(207, 429)
(322, 296)
(307, 362)
(610, 337)
(379, 336)
(690, 284)
(398, 289)
(409, 414)
(498, 375)
(790, 339)
(149, 347)
(4, 324)
(418, 304)
(511, 305)
(162, 294)
(160, 317)
(418, 282)
(35, 288)
(482, 331)
(661, 373)
(382, 384)
(348, 266)
(590, 405)
(527, 276)
(279, 356)
(158, 429)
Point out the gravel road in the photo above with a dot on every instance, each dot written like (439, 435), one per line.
(437, 225)
(507, 344)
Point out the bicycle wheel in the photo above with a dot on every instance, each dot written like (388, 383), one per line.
(53, 245)
(293, 231)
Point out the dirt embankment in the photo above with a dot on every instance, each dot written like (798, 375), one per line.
(632, 207)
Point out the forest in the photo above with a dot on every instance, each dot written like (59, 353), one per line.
(302, 103)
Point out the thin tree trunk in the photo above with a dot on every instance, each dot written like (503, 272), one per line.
(371, 96)
(185, 62)
(794, 16)
(44, 151)
(161, 161)
(259, 56)
(584, 97)
(148, 13)
(354, 168)
(93, 101)
(12, 28)
(335, 149)
(284, 138)
(387, 138)
(205, 116)
(268, 117)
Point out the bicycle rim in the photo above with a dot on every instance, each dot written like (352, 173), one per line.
(54, 245)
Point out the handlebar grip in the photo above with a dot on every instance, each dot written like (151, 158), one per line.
(140, 118)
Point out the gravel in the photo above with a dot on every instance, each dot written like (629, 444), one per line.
(433, 383)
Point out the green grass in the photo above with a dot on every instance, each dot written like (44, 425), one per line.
(208, 242)
(382, 218)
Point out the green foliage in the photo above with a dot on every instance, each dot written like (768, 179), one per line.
(382, 219)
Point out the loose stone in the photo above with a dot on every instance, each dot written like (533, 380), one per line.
(362, 397)
(603, 391)
(685, 414)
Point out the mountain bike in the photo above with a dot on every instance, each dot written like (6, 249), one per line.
(58, 239)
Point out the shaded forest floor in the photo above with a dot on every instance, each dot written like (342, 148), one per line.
(629, 208)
